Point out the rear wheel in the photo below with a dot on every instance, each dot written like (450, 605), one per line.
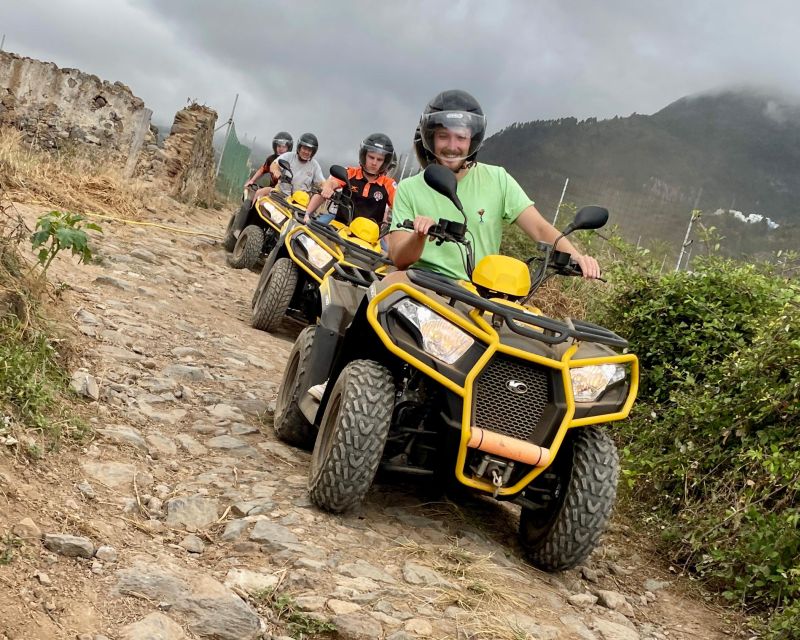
(276, 294)
(290, 424)
(248, 248)
(562, 534)
(352, 436)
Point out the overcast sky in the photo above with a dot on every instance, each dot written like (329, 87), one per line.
(345, 69)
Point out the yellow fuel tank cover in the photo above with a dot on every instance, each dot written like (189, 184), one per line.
(503, 274)
(300, 199)
(365, 229)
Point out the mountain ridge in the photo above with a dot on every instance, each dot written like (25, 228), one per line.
(736, 148)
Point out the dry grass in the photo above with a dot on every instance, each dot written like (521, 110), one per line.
(488, 594)
(70, 180)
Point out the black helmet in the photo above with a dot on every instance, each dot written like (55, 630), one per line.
(308, 140)
(379, 143)
(452, 108)
(282, 137)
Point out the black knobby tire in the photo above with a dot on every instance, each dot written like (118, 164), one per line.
(563, 535)
(290, 424)
(274, 298)
(229, 241)
(352, 436)
(248, 248)
(262, 282)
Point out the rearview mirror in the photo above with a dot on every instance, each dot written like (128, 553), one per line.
(340, 173)
(443, 181)
(591, 217)
(284, 164)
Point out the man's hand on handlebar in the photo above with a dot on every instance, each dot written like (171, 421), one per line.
(420, 225)
(588, 265)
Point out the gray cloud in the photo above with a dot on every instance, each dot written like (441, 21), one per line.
(349, 68)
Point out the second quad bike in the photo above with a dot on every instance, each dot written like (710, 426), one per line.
(306, 254)
(469, 384)
(265, 219)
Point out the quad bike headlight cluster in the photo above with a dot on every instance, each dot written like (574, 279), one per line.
(316, 254)
(589, 383)
(274, 214)
(440, 338)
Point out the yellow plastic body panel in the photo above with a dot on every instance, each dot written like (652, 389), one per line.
(481, 330)
(503, 274)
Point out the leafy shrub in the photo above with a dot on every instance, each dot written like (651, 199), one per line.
(684, 324)
(33, 379)
(56, 231)
(711, 448)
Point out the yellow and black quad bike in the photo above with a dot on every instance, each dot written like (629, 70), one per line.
(468, 384)
(263, 223)
(307, 253)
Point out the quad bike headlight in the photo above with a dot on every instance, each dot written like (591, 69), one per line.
(440, 337)
(316, 254)
(589, 383)
(274, 214)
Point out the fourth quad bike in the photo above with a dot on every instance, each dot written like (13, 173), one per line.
(306, 254)
(467, 383)
(265, 219)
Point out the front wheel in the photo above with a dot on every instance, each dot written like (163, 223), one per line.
(229, 240)
(248, 248)
(290, 424)
(562, 534)
(352, 436)
(275, 295)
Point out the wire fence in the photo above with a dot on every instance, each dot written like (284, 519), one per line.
(234, 168)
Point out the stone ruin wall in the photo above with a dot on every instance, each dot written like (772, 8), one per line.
(186, 162)
(57, 108)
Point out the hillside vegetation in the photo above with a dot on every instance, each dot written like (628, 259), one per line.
(733, 150)
(710, 454)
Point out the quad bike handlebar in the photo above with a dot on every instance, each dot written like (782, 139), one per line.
(561, 263)
(443, 231)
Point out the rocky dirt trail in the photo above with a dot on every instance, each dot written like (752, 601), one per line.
(184, 517)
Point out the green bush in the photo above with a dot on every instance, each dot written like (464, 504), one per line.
(33, 379)
(711, 447)
(684, 324)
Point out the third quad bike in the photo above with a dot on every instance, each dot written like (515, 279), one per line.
(467, 383)
(306, 253)
(265, 219)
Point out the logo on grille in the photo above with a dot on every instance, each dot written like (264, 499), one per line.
(517, 386)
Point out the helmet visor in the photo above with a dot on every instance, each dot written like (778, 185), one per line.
(281, 141)
(374, 148)
(465, 125)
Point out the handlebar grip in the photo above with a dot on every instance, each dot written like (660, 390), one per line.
(576, 270)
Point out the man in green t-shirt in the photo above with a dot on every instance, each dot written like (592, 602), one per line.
(451, 130)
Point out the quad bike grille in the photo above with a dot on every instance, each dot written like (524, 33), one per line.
(500, 404)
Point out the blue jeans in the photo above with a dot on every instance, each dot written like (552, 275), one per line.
(325, 218)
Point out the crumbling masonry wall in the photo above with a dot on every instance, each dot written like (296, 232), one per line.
(186, 163)
(55, 107)
(52, 106)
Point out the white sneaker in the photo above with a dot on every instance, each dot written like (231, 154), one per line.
(317, 391)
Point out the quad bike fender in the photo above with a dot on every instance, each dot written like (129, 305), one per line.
(357, 342)
(278, 251)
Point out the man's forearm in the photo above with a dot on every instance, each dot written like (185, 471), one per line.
(314, 202)
(405, 248)
(259, 172)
